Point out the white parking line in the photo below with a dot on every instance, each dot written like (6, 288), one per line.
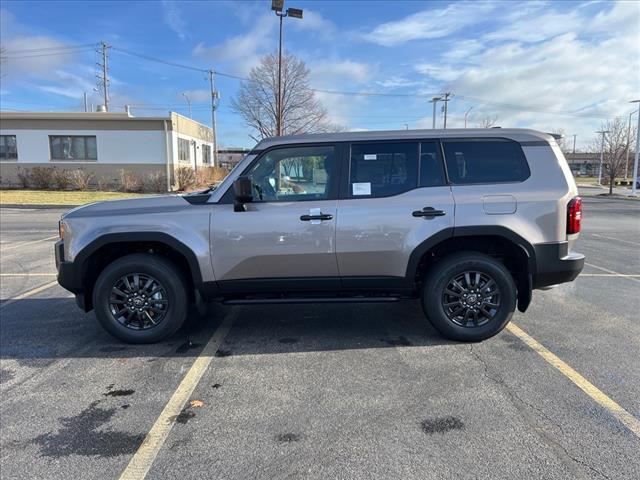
(14, 246)
(617, 274)
(616, 239)
(142, 460)
(29, 293)
(607, 275)
(28, 274)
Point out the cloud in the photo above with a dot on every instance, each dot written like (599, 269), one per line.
(172, 16)
(332, 73)
(429, 24)
(314, 22)
(242, 52)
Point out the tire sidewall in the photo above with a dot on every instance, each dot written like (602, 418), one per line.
(439, 279)
(163, 271)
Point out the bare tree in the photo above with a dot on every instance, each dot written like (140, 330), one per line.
(615, 149)
(562, 140)
(488, 121)
(256, 100)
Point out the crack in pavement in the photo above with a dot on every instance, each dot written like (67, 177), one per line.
(552, 442)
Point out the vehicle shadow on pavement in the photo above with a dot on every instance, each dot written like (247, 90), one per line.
(34, 336)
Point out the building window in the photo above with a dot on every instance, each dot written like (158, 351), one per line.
(73, 147)
(206, 153)
(8, 147)
(184, 150)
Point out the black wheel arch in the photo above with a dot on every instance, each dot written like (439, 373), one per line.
(494, 240)
(92, 259)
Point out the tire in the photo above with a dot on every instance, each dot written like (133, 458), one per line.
(165, 296)
(485, 312)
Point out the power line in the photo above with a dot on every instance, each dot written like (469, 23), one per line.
(158, 60)
(50, 54)
(46, 49)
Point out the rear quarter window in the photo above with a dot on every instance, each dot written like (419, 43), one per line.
(485, 161)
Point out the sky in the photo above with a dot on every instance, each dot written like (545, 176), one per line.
(549, 65)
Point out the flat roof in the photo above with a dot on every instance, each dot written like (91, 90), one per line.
(74, 116)
(517, 134)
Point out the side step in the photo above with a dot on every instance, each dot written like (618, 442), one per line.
(262, 301)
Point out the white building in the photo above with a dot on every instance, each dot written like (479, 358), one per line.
(102, 143)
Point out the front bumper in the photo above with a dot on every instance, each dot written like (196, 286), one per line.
(69, 275)
(556, 264)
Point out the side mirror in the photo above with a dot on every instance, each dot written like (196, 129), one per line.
(243, 191)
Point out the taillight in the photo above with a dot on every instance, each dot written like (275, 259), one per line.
(574, 215)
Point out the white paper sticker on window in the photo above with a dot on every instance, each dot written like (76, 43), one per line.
(370, 156)
(362, 188)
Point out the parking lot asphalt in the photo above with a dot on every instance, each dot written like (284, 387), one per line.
(323, 391)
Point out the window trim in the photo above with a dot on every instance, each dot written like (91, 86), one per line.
(333, 193)
(73, 160)
(12, 159)
(480, 140)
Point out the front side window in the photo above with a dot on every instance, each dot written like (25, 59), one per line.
(485, 161)
(8, 147)
(294, 174)
(73, 147)
(431, 170)
(206, 153)
(383, 169)
(184, 150)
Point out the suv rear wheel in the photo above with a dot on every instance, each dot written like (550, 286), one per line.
(140, 298)
(469, 296)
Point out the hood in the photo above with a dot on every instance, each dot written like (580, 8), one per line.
(130, 206)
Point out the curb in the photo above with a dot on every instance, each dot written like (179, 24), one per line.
(36, 206)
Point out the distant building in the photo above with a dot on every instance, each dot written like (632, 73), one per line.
(230, 157)
(584, 164)
(102, 143)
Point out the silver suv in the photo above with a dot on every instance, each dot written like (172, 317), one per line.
(469, 221)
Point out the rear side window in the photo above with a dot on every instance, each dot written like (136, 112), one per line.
(383, 169)
(485, 161)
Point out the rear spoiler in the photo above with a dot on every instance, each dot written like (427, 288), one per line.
(557, 136)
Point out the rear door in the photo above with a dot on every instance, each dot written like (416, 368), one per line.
(285, 240)
(395, 197)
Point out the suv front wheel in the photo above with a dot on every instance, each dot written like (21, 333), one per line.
(469, 296)
(140, 298)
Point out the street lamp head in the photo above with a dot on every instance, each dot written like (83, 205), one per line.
(436, 99)
(634, 101)
(294, 12)
(277, 5)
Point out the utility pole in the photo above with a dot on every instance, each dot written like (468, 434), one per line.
(434, 100)
(446, 101)
(574, 143)
(603, 132)
(103, 79)
(214, 103)
(634, 190)
(85, 102)
(465, 116)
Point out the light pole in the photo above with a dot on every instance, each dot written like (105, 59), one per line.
(635, 161)
(626, 163)
(465, 116)
(277, 6)
(434, 100)
(188, 102)
(574, 143)
(603, 132)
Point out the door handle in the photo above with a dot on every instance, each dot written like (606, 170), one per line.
(322, 216)
(428, 212)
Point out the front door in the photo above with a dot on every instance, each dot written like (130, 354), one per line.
(285, 240)
(396, 198)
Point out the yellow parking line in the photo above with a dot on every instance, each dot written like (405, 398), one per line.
(29, 293)
(24, 244)
(629, 421)
(142, 460)
(613, 272)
